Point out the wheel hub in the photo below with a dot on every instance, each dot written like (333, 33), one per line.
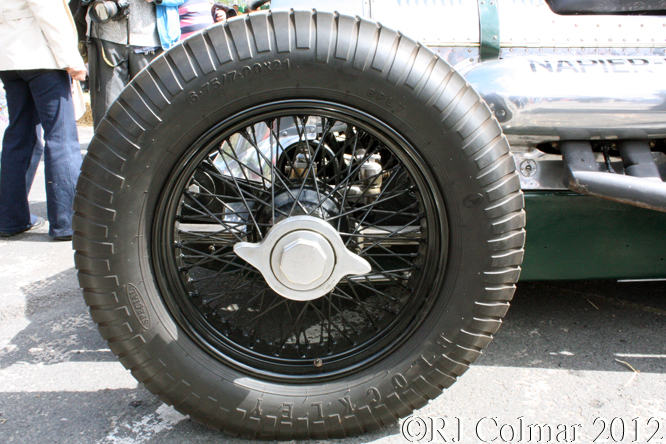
(306, 259)
(302, 258)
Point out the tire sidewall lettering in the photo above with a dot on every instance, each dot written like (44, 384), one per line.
(138, 305)
(231, 77)
(386, 101)
(399, 381)
(372, 94)
(375, 395)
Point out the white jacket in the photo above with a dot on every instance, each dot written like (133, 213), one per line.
(37, 34)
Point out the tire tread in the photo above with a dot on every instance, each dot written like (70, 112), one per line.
(331, 36)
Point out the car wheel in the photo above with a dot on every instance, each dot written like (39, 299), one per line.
(298, 225)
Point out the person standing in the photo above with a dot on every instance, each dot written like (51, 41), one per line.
(114, 57)
(221, 12)
(38, 53)
(168, 21)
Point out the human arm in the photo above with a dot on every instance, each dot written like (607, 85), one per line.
(78, 72)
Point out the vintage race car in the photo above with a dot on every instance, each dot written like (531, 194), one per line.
(303, 223)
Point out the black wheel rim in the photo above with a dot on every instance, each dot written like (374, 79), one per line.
(244, 176)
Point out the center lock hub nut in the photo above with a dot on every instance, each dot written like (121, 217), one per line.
(302, 258)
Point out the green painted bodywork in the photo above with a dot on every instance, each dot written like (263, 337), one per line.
(570, 236)
(489, 28)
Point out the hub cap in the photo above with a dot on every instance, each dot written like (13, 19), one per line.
(302, 258)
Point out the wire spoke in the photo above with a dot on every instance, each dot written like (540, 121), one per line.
(310, 167)
(391, 234)
(299, 161)
(242, 196)
(330, 324)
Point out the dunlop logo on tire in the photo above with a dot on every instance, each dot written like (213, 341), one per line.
(138, 306)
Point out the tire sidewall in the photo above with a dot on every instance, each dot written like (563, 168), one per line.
(186, 120)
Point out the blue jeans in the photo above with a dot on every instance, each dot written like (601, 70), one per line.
(37, 152)
(39, 96)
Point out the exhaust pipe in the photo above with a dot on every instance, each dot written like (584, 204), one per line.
(641, 186)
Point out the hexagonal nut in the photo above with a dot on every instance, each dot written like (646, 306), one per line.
(303, 261)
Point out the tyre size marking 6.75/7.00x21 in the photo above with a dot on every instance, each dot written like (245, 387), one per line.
(232, 76)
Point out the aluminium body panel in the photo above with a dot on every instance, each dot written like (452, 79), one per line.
(557, 78)
(558, 97)
(523, 23)
(609, 87)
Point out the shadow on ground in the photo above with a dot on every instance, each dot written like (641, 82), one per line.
(587, 325)
(567, 325)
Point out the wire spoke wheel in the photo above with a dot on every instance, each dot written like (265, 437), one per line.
(298, 225)
(278, 163)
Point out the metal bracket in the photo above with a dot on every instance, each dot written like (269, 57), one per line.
(489, 30)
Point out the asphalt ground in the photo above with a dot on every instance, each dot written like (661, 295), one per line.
(574, 362)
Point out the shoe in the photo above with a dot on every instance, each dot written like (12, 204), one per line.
(39, 222)
(62, 238)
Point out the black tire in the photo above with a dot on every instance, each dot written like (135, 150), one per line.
(136, 181)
